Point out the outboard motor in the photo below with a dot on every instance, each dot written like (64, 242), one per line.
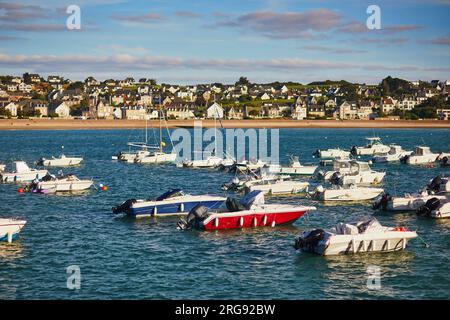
(124, 207)
(404, 159)
(382, 203)
(309, 240)
(316, 153)
(335, 178)
(194, 217)
(354, 151)
(445, 162)
(429, 206)
(435, 184)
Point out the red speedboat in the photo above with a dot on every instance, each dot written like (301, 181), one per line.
(250, 212)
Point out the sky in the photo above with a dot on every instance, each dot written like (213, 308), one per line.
(205, 41)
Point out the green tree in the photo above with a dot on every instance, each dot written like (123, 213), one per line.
(243, 81)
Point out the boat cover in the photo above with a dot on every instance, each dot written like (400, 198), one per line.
(255, 197)
(170, 194)
(371, 225)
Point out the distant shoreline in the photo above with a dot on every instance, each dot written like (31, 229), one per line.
(69, 124)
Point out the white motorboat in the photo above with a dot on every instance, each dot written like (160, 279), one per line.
(439, 184)
(442, 156)
(332, 154)
(421, 155)
(374, 146)
(157, 157)
(435, 208)
(364, 236)
(22, 173)
(359, 173)
(61, 183)
(62, 161)
(408, 202)
(210, 161)
(350, 193)
(280, 186)
(338, 165)
(395, 154)
(250, 165)
(172, 202)
(294, 168)
(10, 228)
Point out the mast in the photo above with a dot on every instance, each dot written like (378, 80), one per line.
(160, 131)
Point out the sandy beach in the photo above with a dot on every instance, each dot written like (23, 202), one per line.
(69, 124)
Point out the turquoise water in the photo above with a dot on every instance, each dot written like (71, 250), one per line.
(122, 258)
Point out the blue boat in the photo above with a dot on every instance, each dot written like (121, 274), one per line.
(172, 202)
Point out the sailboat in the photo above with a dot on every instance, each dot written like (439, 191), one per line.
(212, 160)
(159, 156)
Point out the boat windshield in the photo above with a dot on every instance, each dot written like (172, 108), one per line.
(170, 194)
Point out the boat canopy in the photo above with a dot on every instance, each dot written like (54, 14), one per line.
(170, 194)
(371, 225)
(255, 197)
(422, 150)
(21, 166)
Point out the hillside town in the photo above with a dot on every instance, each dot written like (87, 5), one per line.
(33, 96)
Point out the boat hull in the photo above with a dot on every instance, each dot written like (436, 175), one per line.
(65, 162)
(158, 158)
(284, 187)
(10, 228)
(237, 220)
(421, 159)
(172, 208)
(23, 177)
(409, 203)
(65, 186)
(363, 194)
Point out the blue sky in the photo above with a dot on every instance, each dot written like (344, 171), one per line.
(203, 41)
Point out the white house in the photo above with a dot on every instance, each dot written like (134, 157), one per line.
(214, 111)
(12, 108)
(62, 109)
(299, 112)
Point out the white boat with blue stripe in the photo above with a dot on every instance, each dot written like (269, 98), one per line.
(172, 203)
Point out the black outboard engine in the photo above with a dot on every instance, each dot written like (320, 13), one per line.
(316, 153)
(124, 207)
(435, 184)
(382, 203)
(445, 162)
(354, 151)
(194, 217)
(335, 178)
(429, 206)
(404, 159)
(309, 241)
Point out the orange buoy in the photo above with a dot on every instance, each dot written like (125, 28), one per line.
(104, 188)
(20, 190)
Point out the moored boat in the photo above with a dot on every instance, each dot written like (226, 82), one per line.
(350, 193)
(421, 155)
(250, 212)
(359, 173)
(62, 161)
(439, 184)
(10, 228)
(61, 183)
(22, 173)
(294, 168)
(279, 186)
(332, 154)
(172, 202)
(364, 236)
(374, 146)
(408, 202)
(395, 154)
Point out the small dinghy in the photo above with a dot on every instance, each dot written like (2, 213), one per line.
(373, 147)
(421, 155)
(173, 202)
(10, 228)
(435, 208)
(22, 173)
(409, 202)
(364, 236)
(62, 161)
(395, 154)
(61, 183)
(294, 168)
(350, 193)
(250, 212)
(359, 173)
(332, 154)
